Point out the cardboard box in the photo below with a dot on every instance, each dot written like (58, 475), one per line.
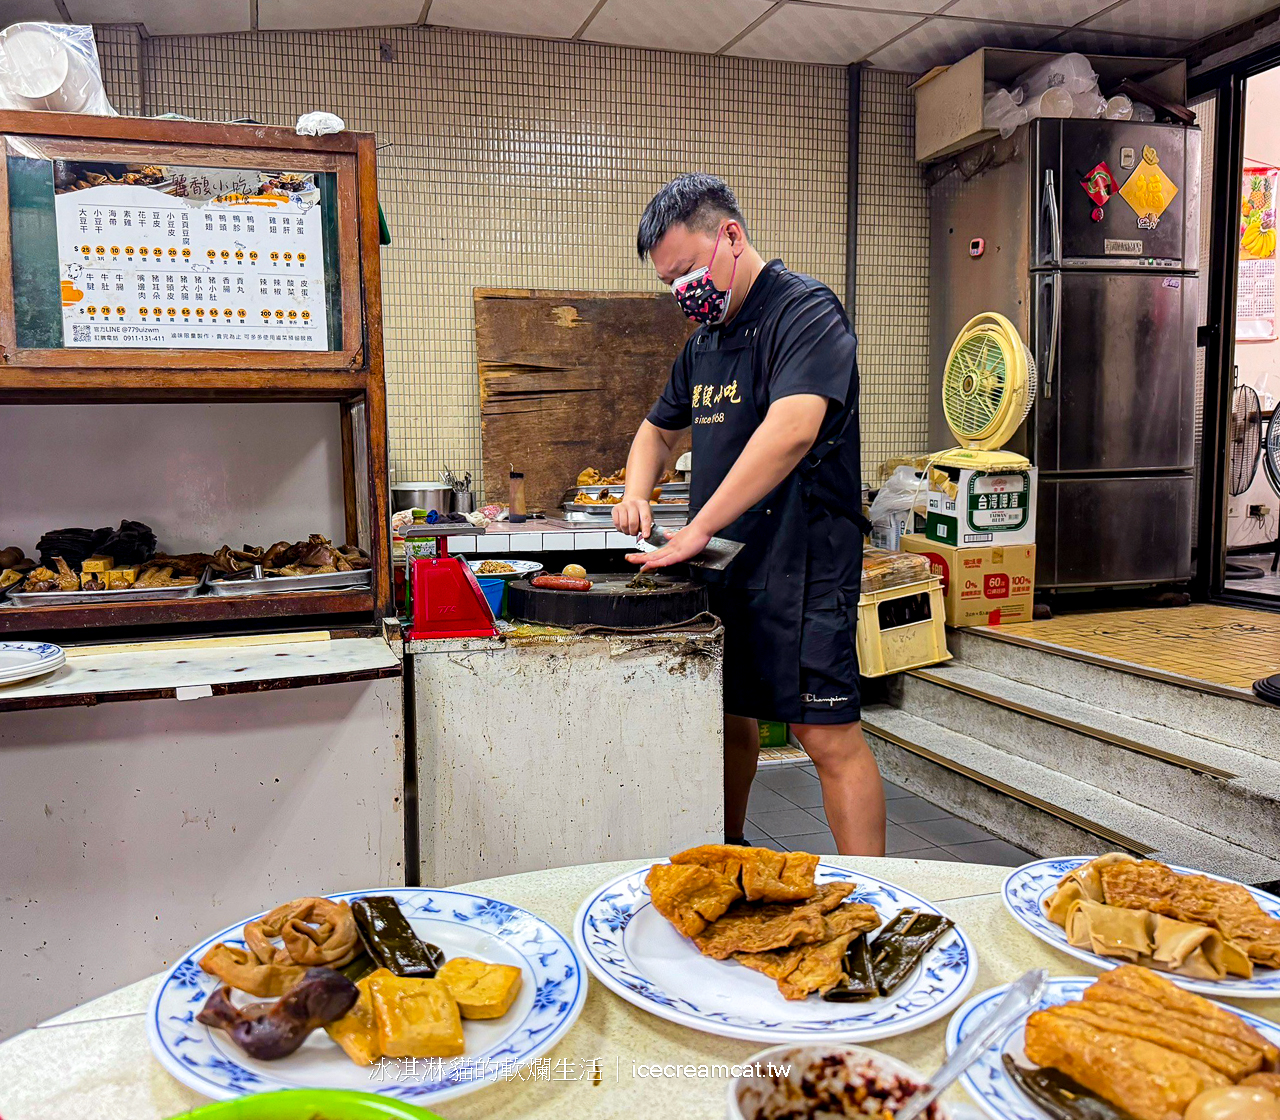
(949, 98)
(981, 586)
(987, 509)
(886, 533)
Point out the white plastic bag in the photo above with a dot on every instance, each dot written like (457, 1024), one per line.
(892, 508)
(319, 124)
(51, 66)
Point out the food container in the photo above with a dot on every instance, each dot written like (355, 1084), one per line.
(302, 1104)
(764, 1092)
(129, 595)
(493, 590)
(422, 495)
(271, 585)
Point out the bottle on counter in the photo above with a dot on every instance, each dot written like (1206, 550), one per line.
(517, 512)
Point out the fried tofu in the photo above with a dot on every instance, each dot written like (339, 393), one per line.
(819, 966)
(416, 1018)
(1151, 992)
(690, 896)
(357, 1031)
(482, 990)
(756, 929)
(1144, 1079)
(1228, 907)
(763, 874)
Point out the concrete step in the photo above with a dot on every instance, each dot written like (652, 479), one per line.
(1038, 808)
(1218, 789)
(1231, 716)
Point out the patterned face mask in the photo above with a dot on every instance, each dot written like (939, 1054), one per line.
(698, 296)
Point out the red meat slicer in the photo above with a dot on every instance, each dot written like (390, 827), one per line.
(447, 600)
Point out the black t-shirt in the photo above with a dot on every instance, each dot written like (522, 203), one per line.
(792, 336)
(805, 345)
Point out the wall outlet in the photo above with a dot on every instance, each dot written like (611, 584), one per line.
(1259, 511)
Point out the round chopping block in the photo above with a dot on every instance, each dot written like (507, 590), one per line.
(610, 602)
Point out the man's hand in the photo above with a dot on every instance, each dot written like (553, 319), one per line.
(688, 542)
(633, 516)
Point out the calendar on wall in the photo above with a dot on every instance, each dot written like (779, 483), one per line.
(191, 257)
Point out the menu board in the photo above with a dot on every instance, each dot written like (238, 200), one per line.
(188, 257)
(1256, 277)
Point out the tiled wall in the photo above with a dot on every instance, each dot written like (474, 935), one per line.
(526, 163)
(892, 274)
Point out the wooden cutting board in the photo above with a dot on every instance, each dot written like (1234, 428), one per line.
(609, 603)
(565, 379)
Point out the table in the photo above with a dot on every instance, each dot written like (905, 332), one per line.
(94, 1060)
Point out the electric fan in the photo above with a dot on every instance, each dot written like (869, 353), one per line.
(988, 387)
(1271, 464)
(1246, 438)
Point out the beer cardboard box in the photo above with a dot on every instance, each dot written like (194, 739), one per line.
(980, 508)
(981, 586)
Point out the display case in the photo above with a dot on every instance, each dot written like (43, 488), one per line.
(161, 261)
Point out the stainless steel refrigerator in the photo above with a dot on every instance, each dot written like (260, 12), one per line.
(1106, 298)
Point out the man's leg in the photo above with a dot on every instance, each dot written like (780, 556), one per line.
(741, 755)
(852, 793)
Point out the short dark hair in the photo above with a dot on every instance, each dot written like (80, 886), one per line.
(698, 200)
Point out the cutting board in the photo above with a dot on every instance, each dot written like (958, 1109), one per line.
(565, 379)
(609, 603)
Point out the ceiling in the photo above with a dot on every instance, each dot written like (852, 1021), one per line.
(896, 34)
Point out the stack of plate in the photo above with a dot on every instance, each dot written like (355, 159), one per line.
(20, 661)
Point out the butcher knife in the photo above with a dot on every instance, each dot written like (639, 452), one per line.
(715, 556)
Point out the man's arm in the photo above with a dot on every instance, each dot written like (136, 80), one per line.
(784, 437)
(650, 450)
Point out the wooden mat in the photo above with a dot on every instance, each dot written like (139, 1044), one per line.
(565, 379)
(1228, 646)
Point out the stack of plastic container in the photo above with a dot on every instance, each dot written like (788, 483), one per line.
(1063, 86)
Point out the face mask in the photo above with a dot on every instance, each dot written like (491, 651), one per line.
(698, 296)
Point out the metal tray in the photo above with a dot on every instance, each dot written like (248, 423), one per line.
(657, 507)
(129, 595)
(661, 515)
(273, 585)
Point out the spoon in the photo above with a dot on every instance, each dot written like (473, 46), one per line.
(1023, 995)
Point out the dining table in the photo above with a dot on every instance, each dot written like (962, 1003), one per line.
(618, 1062)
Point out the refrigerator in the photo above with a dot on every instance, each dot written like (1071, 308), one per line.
(1105, 296)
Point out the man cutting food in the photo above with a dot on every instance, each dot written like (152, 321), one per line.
(769, 384)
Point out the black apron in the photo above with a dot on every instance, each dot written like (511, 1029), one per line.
(761, 596)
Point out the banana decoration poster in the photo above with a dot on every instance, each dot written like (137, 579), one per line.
(1256, 289)
(188, 257)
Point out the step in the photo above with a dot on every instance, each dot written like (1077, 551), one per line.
(1227, 792)
(1034, 807)
(1233, 717)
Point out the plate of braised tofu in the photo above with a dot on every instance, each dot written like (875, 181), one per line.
(774, 947)
(1128, 1045)
(412, 992)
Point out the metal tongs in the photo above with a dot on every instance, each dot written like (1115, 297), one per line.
(1024, 994)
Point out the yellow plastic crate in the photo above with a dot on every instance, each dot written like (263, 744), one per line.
(901, 628)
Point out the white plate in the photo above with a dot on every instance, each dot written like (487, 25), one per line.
(20, 661)
(988, 1082)
(636, 953)
(1026, 889)
(523, 569)
(550, 1001)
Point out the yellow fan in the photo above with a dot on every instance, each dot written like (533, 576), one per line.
(988, 386)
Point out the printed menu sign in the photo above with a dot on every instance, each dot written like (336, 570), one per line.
(192, 258)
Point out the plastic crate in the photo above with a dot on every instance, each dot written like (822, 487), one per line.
(901, 628)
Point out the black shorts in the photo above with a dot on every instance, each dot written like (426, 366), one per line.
(757, 682)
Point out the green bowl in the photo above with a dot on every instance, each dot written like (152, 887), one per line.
(306, 1104)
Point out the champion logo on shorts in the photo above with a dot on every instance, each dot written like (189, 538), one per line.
(809, 698)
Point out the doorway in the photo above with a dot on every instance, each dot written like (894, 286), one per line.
(1252, 452)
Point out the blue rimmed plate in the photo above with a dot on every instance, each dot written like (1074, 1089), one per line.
(637, 954)
(986, 1080)
(470, 925)
(1027, 888)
